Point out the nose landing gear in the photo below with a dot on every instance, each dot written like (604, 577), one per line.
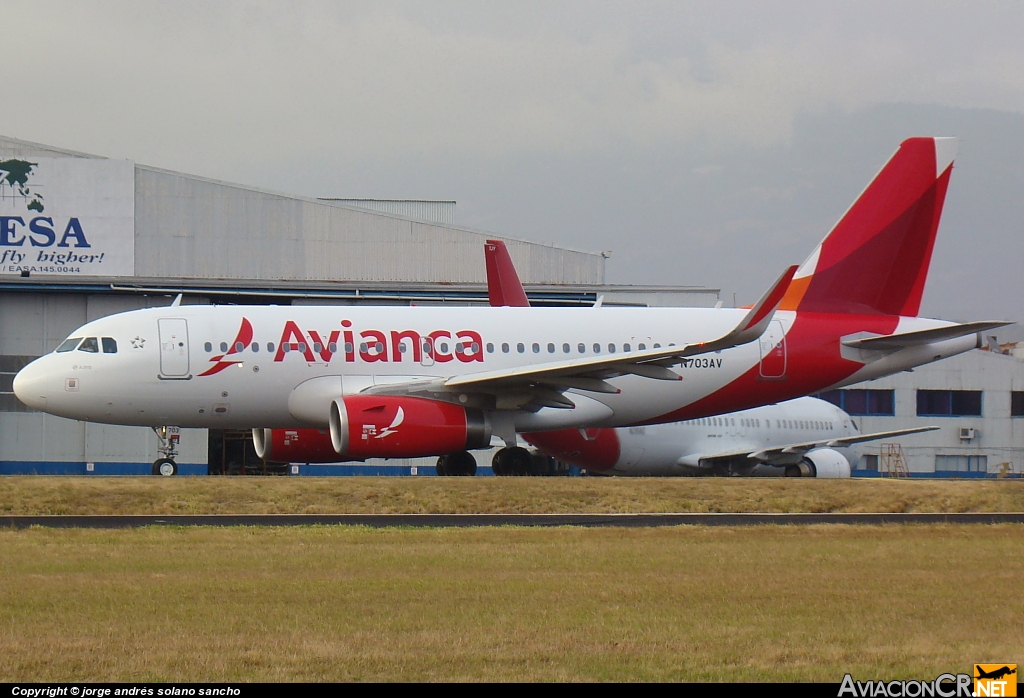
(168, 450)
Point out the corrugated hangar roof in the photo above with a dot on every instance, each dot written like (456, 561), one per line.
(187, 226)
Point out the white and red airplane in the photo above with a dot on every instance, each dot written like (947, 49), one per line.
(419, 381)
(805, 437)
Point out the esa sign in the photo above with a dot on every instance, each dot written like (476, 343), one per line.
(67, 216)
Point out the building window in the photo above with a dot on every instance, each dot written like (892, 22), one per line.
(1017, 403)
(9, 366)
(961, 464)
(948, 403)
(863, 402)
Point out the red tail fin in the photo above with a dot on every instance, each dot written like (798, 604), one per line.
(876, 258)
(503, 285)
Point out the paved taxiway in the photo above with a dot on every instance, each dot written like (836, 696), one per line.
(463, 520)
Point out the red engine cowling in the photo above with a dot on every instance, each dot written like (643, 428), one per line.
(369, 426)
(593, 449)
(295, 445)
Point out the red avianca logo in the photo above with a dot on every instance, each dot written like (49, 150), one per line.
(242, 340)
(371, 346)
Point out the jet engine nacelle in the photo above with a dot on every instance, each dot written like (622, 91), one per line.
(821, 462)
(295, 445)
(370, 426)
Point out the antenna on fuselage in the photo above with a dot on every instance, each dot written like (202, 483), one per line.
(177, 301)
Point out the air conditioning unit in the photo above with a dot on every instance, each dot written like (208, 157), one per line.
(968, 433)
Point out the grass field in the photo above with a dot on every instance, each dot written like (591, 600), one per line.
(369, 495)
(349, 603)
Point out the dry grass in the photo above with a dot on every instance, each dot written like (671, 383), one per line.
(384, 495)
(344, 603)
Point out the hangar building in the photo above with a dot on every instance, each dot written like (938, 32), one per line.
(82, 237)
(977, 400)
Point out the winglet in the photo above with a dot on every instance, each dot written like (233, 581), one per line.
(503, 285)
(761, 314)
(755, 322)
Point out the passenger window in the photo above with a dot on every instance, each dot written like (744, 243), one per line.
(270, 346)
(551, 348)
(490, 348)
(444, 347)
(68, 345)
(625, 347)
(302, 347)
(317, 347)
(90, 345)
(536, 348)
(208, 347)
(475, 348)
(597, 348)
(582, 348)
(239, 347)
(504, 347)
(611, 348)
(520, 348)
(256, 347)
(641, 346)
(109, 345)
(223, 347)
(657, 346)
(565, 348)
(333, 346)
(458, 347)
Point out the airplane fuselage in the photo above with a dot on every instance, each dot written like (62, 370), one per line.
(240, 366)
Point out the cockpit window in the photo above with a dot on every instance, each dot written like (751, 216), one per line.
(68, 344)
(109, 345)
(90, 345)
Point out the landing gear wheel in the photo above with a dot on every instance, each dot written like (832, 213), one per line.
(461, 463)
(165, 467)
(512, 461)
(442, 466)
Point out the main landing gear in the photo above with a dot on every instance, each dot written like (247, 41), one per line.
(168, 449)
(460, 463)
(512, 461)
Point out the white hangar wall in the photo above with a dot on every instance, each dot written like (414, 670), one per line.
(998, 434)
(193, 227)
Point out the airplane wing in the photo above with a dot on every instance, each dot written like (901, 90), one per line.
(788, 451)
(546, 382)
(909, 339)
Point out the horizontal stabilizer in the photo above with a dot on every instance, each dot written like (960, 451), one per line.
(910, 339)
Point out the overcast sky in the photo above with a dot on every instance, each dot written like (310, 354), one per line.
(702, 143)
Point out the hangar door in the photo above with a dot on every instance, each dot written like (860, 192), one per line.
(173, 347)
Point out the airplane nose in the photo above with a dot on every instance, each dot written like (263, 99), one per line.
(30, 385)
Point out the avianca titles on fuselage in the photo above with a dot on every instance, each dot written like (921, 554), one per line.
(406, 381)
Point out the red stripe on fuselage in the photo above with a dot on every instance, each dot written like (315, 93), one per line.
(814, 363)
